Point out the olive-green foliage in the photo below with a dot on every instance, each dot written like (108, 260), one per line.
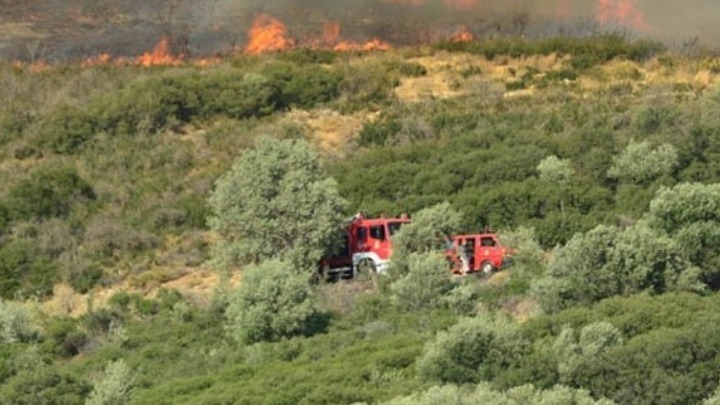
(425, 284)
(484, 393)
(606, 262)
(4, 218)
(641, 163)
(139, 137)
(276, 202)
(556, 171)
(273, 302)
(529, 257)
(684, 205)
(24, 271)
(472, 350)
(584, 52)
(16, 323)
(64, 337)
(49, 191)
(426, 233)
(714, 399)
(151, 102)
(690, 213)
(574, 351)
(666, 354)
(116, 386)
(44, 385)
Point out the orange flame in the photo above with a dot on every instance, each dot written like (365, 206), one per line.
(102, 59)
(331, 33)
(623, 12)
(160, 55)
(268, 35)
(463, 35)
(332, 38)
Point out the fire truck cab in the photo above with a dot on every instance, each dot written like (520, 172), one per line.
(367, 247)
(483, 251)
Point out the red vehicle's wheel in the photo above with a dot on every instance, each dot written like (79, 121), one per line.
(366, 266)
(487, 268)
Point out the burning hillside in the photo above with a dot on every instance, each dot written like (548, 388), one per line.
(167, 32)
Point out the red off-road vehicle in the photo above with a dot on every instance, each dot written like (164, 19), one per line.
(483, 252)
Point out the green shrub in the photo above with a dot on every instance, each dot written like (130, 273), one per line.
(64, 337)
(49, 191)
(273, 302)
(425, 285)
(378, 132)
(276, 202)
(641, 163)
(115, 388)
(593, 341)
(426, 233)
(4, 218)
(304, 56)
(16, 324)
(44, 385)
(147, 104)
(304, 87)
(584, 52)
(238, 95)
(68, 128)
(472, 350)
(606, 262)
(24, 271)
(84, 279)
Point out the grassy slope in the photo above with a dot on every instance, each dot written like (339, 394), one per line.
(144, 181)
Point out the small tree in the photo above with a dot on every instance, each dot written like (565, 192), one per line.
(425, 234)
(16, 324)
(275, 203)
(573, 351)
(271, 303)
(471, 350)
(115, 388)
(690, 214)
(426, 283)
(641, 163)
(557, 173)
(606, 261)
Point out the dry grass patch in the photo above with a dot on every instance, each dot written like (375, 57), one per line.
(333, 133)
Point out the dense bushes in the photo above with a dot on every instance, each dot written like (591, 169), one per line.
(583, 52)
(25, 272)
(50, 191)
(149, 103)
(273, 302)
(473, 350)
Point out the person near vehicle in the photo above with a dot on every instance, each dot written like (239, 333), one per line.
(464, 253)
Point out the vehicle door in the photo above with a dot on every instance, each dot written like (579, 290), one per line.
(489, 249)
(378, 241)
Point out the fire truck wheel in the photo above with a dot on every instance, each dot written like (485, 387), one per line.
(367, 267)
(487, 268)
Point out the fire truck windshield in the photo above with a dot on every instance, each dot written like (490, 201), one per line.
(393, 227)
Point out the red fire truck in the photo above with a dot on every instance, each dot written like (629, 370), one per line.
(366, 247)
(478, 252)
